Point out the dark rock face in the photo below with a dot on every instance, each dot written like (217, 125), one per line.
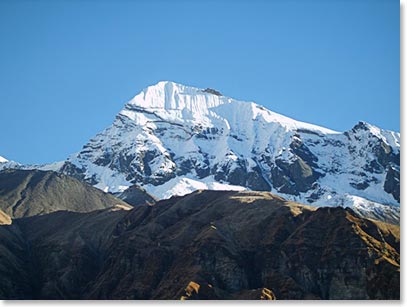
(392, 182)
(237, 173)
(255, 180)
(26, 193)
(212, 91)
(206, 245)
(185, 166)
(135, 196)
(147, 158)
(302, 151)
(301, 176)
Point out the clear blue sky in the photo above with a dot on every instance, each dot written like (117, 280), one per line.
(67, 67)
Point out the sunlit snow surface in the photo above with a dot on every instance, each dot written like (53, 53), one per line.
(183, 185)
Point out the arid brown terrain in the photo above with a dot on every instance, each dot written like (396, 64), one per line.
(205, 245)
(26, 193)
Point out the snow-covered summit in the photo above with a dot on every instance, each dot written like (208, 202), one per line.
(3, 160)
(172, 139)
(6, 164)
(186, 104)
(174, 96)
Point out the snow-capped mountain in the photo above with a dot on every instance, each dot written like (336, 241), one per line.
(8, 164)
(5, 164)
(172, 139)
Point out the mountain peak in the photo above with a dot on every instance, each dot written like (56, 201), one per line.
(169, 95)
(3, 160)
(362, 125)
(179, 103)
(172, 139)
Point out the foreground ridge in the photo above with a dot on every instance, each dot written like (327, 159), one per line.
(205, 245)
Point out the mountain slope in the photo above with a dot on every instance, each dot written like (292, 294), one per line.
(173, 139)
(26, 193)
(209, 244)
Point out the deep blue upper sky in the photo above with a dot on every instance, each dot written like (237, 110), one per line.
(67, 67)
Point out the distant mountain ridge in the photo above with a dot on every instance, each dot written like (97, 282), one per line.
(172, 139)
(25, 193)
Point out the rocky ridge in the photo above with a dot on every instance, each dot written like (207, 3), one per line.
(205, 245)
(25, 193)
